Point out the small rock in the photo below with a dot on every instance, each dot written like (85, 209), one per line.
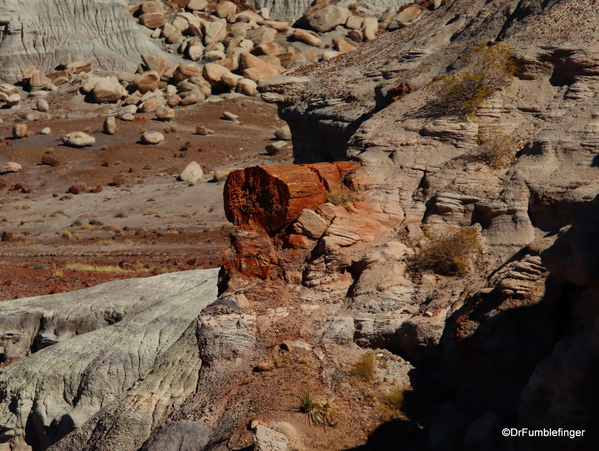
(150, 137)
(247, 87)
(263, 366)
(19, 131)
(283, 133)
(307, 37)
(276, 147)
(42, 105)
(265, 439)
(428, 314)
(192, 173)
(409, 15)
(50, 161)
(76, 189)
(127, 117)
(45, 131)
(230, 116)
(78, 139)
(222, 174)
(11, 166)
(164, 113)
(204, 131)
(110, 126)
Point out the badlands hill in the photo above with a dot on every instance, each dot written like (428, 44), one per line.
(326, 294)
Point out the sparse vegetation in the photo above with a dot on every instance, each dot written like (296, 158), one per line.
(394, 398)
(317, 413)
(446, 253)
(343, 197)
(498, 152)
(486, 70)
(67, 234)
(113, 269)
(170, 129)
(150, 212)
(365, 368)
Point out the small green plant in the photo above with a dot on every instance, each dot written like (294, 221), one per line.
(365, 367)
(319, 413)
(446, 253)
(486, 70)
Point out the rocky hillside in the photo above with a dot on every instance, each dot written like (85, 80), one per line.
(424, 276)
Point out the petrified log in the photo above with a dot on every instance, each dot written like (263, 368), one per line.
(271, 197)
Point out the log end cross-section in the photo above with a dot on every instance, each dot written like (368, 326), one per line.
(271, 197)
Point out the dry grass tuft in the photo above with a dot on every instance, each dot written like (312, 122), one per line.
(364, 368)
(446, 253)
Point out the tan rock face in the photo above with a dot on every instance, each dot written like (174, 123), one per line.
(152, 20)
(256, 69)
(328, 18)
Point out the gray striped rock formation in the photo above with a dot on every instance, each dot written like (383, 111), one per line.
(41, 32)
(135, 370)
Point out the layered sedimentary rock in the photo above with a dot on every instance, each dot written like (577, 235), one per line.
(121, 353)
(41, 33)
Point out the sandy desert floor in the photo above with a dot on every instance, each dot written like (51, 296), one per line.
(138, 218)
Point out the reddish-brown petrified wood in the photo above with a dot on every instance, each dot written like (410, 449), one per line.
(271, 197)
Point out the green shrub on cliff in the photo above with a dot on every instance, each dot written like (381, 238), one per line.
(486, 70)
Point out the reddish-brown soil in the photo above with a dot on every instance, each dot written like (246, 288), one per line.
(147, 222)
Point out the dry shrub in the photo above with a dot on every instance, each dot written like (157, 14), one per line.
(365, 367)
(486, 70)
(343, 197)
(497, 150)
(446, 253)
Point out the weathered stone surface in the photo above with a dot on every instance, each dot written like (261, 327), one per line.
(310, 224)
(78, 139)
(247, 87)
(109, 126)
(150, 137)
(11, 166)
(240, 258)
(265, 439)
(409, 15)
(276, 195)
(165, 113)
(108, 92)
(19, 131)
(255, 69)
(104, 32)
(307, 37)
(155, 63)
(328, 18)
(192, 173)
(276, 147)
(83, 337)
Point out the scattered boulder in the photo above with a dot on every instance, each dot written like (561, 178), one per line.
(283, 133)
(110, 126)
(11, 166)
(45, 131)
(307, 37)
(78, 139)
(276, 147)
(247, 87)
(42, 105)
(155, 63)
(150, 137)
(50, 161)
(328, 18)
(164, 113)
(19, 131)
(230, 116)
(192, 173)
(265, 439)
(9, 94)
(310, 224)
(108, 92)
(204, 131)
(409, 15)
(256, 69)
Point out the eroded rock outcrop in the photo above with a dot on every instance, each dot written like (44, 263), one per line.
(116, 357)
